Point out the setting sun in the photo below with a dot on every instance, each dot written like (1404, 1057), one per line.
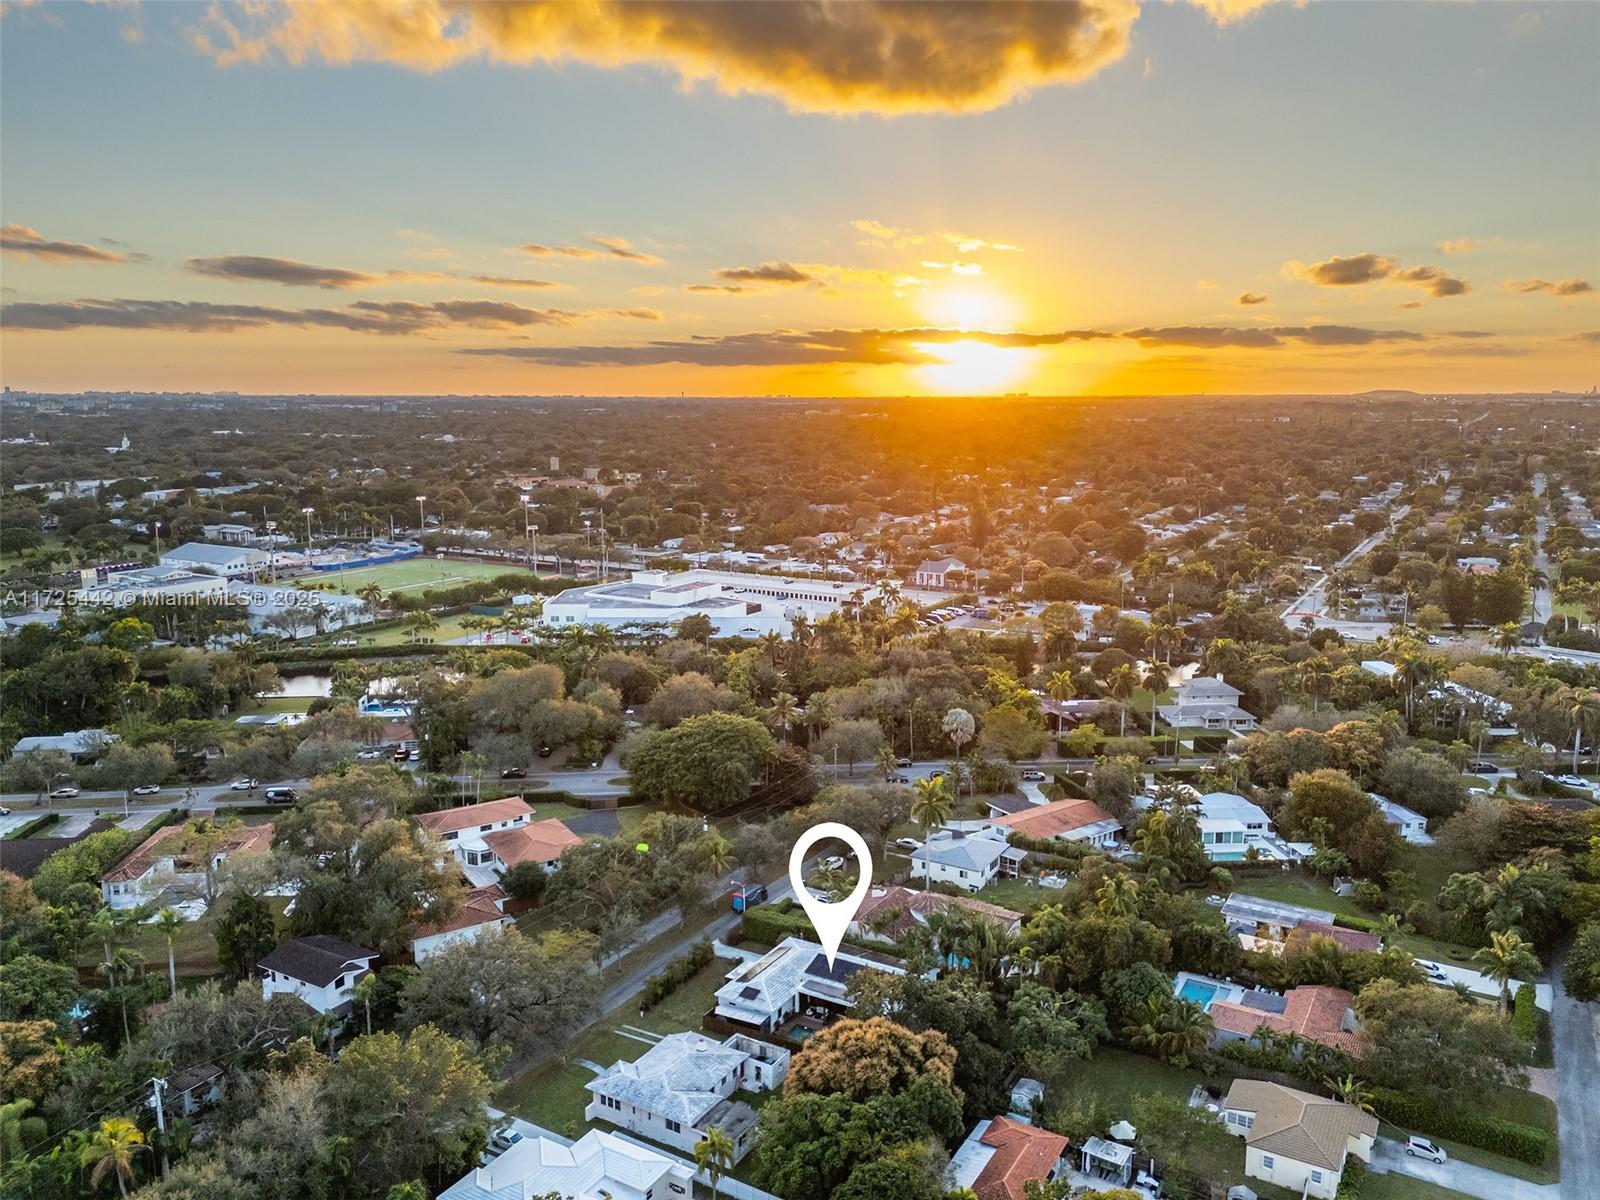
(973, 367)
(970, 306)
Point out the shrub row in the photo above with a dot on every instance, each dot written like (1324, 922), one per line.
(658, 987)
(1459, 1123)
(34, 827)
(1524, 1016)
(771, 923)
(1364, 924)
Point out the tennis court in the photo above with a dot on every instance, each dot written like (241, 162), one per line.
(411, 575)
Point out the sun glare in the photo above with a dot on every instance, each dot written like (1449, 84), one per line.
(971, 368)
(969, 306)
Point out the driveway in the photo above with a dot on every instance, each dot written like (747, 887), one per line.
(1390, 1157)
(1480, 984)
(1575, 1034)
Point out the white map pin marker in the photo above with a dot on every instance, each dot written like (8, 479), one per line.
(830, 920)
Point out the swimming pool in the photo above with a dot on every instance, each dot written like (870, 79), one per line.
(1197, 992)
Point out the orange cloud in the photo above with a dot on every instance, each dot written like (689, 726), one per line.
(30, 243)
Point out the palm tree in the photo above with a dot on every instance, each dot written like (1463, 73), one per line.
(771, 643)
(959, 727)
(110, 1150)
(887, 760)
(1584, 713)
(1154, 681)
(1350, 1090)
(120, 968)
(1314, 675)
(366, 990)
(420, 623)
(1505, 958)
(818, 715)
(713, 1154)
(717, 852)
(372, 596)
(785, 705)
(1173, 1029)
(1118, 896)
(1120, 684)
(1477, 730)
(1060, 686)
(1506, 638)
(930, 808)
(169, 922)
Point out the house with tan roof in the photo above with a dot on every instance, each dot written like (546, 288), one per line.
(1317, 1013)
(1000, 1156)
(1294, 1139)
(1064, 820)
(481, 908)
(171, 860)
(489, 839)
(890, 913)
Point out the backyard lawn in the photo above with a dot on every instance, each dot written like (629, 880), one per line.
(553, 1095)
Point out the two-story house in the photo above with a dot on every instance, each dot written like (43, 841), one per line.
(967, 858)
(323, 971)
(1207, 703)
(490, 838)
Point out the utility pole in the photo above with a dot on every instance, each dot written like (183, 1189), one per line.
(156, 1102)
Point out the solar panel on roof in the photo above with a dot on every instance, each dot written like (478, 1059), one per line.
(749, 993)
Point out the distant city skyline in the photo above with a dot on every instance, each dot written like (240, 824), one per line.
(865, 199)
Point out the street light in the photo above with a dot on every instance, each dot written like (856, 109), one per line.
(156, 528)
(421, 518)
(308, 511)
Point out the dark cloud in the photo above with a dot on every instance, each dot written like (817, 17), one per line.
(1588, 335)
(1251, 298)
(1563, 287)
(769, 272)
(30, 243)
(716, 287)
(509, 281)
(193, 316)
(257, 268)
(784, 348)
(1372, 268)
(869, 56)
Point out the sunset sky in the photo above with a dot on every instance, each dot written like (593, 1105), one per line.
(813, 199)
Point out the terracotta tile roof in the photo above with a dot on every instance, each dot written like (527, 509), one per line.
(912, 904)
(480, 906)
(1309, 1129)
(1054, 819)
(541, 842)
(247, 839)
(1315, 1013)
(1021, 1152)
(1350, 939)
(469, 816)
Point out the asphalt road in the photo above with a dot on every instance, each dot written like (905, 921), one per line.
(1575, 1035)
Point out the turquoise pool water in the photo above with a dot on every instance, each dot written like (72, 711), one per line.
(1199, 993)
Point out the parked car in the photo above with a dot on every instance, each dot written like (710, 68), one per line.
(400, 754)
(503, 1139)
(1483, 768)
(281, 795)
(1421, 1147)
(514, 773)
(1034, 776)
(1215, 900)
(833, 862)
(243, 785)
(544, 751)
(369, 755)
(4, 811)
(747, 897)
(907, 844)
(64, 793)
(1433, 971)
(147, 789)
(1573, 781)
(415, 756)
(902, 762)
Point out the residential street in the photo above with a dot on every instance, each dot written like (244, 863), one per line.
(1575, 1032)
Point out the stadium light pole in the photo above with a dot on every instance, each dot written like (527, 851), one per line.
(308, 511)
(422, 519)
(156, 528)
(529, 534)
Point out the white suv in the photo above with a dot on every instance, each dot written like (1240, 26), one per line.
(1420, 1147)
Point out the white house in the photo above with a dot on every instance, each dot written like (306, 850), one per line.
(1294, 1139)
(598, 1166)
(482, 908)
(1207, 703)
(1230, 826)
(936, 572)
(683, 1086)
(793, 976)
(323, 971)
(162, 863)
(81, 744)
(968, 859)
(1000, 1157)
(1411, 825)
(489, 839)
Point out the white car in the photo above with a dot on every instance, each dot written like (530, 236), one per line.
(1433, 971)
(147, 789)
(242, 785)
(1034, 776)
(833, 862)
(4, 811)
(1573, 781)
(64, 793)
(1421, 1147)
(910, 844)
(368, 755)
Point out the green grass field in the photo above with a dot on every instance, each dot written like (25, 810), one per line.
(412, 575)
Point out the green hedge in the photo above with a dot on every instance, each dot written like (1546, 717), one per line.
(34, 827)
(771, 923)
(1459, 1123)
(1524, 1016)
(658, 987)
(1364, 924)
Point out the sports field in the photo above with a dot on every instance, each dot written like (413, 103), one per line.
(412, 575)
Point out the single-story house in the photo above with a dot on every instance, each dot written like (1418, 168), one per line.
(1064, 820)
(1270, 924)
(890, 913)
(323, 971)
(481, 908)
(187, 1092)
(162, 863)
(968, 859)
(1000, 1156)
(684, 1085)
(1317, 1013)
(1294, 1139)
(599, 1164)
(936, 572)
(82, 745)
